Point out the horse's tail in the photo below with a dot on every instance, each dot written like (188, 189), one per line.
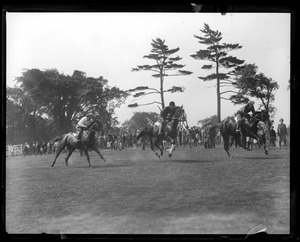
(58, 139)
(62, 139)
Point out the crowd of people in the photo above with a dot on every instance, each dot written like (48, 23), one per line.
(208, 135)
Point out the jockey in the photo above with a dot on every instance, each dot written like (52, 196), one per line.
(166, 114)
(81, 125)
(243, 113)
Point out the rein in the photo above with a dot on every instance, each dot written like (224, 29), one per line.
(88, 128)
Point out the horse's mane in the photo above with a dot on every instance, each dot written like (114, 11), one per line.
(179, 111)
(95, 122)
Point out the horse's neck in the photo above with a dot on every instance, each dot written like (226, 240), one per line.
(91, 124)
(253, 124)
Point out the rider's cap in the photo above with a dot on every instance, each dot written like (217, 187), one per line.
(280, 120)
(171, 103)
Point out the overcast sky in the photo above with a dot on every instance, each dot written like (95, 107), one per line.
(111, 44)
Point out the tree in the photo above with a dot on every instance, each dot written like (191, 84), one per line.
(61, 97)
(139, 120)
(165, 66)
(212, 120)
(253, 85)
(100, 99)
(21, 115)
(24, 119)
(217, 53)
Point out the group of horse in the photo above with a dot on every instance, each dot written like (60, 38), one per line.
(169, 134)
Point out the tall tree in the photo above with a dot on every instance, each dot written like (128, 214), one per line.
(217, 53)
(165, 66)
(139, 120)
(61, 97)
(24, 118)
(254, 85)
(101, 100)
(212, 120)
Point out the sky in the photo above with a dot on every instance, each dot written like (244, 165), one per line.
(111, 44)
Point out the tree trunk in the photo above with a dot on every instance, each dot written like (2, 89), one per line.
(162, 91)
(218, 94)
(218, 101)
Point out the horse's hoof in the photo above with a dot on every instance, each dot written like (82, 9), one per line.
(170, 155)
(266, 152)
(90, 167)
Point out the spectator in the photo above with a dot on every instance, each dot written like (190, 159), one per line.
(273, 137)
(282, 133)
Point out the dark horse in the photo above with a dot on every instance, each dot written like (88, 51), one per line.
(88, 141)
(228, 128)
(169, 132)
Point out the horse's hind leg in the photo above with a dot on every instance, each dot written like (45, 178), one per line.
(226, 145)
(98, 152)
(88, 157)
(57, 154)
(69, 154)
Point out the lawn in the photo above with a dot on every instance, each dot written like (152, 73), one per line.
(196, 191)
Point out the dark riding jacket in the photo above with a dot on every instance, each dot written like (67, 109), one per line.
(246, 109)
(167, 112)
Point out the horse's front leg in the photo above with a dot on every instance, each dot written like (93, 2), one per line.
(87, 157)
(98, 152)
(263, 140)
(69, 154)
(172, 141)
(57, 154)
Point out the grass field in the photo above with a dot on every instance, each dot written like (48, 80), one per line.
(196, 191)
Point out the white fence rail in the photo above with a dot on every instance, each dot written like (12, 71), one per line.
(13, 150)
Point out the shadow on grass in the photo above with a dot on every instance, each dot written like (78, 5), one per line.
(103, 166)
(190, 161)
(265, 157)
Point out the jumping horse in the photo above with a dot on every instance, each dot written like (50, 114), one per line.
(169, 132)
(87, 142)
(228, 128)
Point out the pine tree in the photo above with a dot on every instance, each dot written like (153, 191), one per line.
(217, 53)
(165, 66)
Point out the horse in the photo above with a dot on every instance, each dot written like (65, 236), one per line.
(87, 142)
(169, 132)
(228, 128)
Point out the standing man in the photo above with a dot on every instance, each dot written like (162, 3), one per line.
(282, 133)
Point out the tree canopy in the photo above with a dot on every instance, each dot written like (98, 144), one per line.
(139, 120)
(165, 66)
(54, 96)
(217, 53)
(251, 84)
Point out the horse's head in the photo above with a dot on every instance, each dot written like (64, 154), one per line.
(96, 125)
(262, 115)
(179, 112)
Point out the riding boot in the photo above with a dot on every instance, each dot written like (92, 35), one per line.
(78, 139)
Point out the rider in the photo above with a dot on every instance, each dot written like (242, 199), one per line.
(243, 113)
(82, 124)
(166, 114)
